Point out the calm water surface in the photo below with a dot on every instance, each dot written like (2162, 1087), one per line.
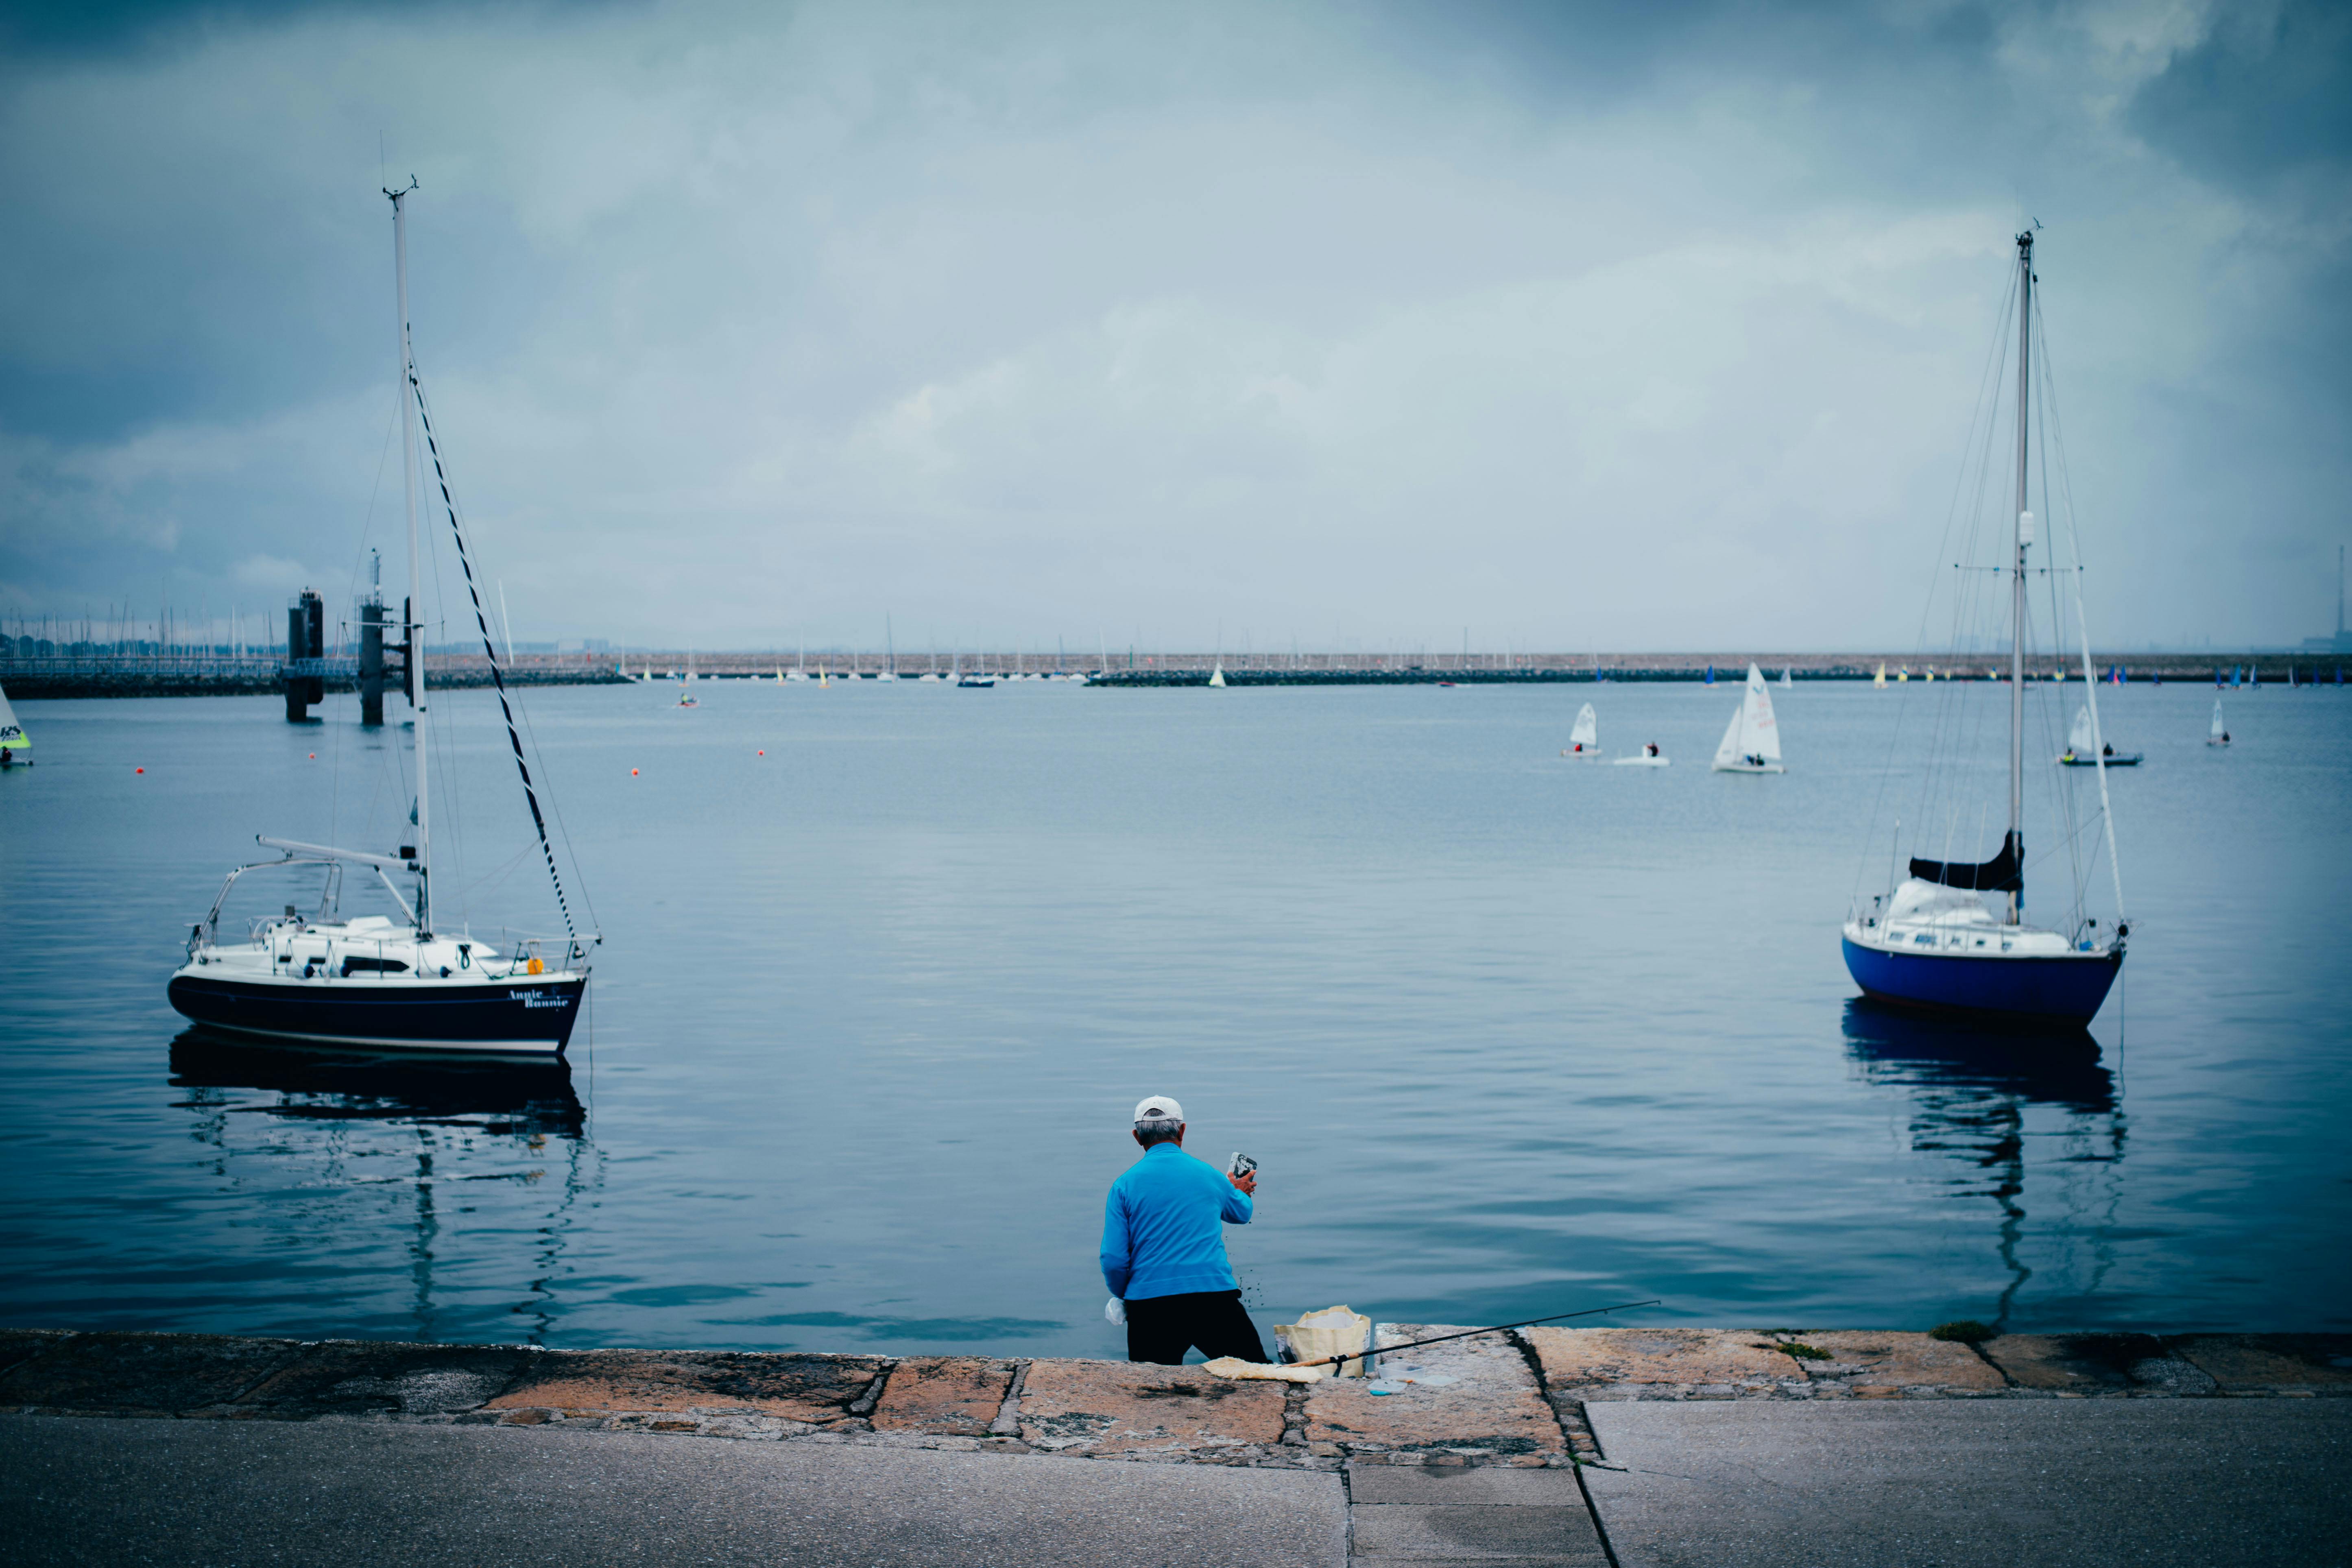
(1509, 1034)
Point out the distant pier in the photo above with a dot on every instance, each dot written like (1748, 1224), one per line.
(80, 670)
(168, 675)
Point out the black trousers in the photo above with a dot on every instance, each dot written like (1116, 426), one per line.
(1162, 1328)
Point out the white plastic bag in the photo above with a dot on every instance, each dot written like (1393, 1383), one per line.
(1114, 1312)
(1334, 1331)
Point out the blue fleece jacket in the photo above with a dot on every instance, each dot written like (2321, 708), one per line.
(1159, 1227)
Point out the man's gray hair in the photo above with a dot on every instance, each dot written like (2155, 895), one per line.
(1160, 1127)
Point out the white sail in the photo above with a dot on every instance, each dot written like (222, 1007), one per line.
(1217, 676)
(1587, 733)
(2216, 733)
(1729, 754)
(2078, 739)
(1788, 676)
(1880, 681)
(1762, 732)
(14, 738)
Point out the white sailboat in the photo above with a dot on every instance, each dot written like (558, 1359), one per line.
(410, 984)
(1217, 676)
(1752, 742)
(1879, 681)
(15, 746)
(2217, 736)
(1583, 741)
(2083, 747)
(1648, 756)
(1788, 675)
(686, 697)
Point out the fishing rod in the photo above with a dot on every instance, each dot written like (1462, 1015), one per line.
(1465, 1333)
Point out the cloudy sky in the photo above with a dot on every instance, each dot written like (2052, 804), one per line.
(1635, 327)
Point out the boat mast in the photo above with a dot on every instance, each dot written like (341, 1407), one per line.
(414, 630)
(2017, 599)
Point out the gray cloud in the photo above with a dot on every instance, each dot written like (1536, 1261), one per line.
(1633, 327)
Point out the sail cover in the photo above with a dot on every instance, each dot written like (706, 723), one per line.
(12, 734)
(2001, 874)
(1587, 733)
(2078, 739)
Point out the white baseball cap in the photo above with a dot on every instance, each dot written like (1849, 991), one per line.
(1158, 1107)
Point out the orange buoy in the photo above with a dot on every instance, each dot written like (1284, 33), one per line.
(139, 770)
(633, 772)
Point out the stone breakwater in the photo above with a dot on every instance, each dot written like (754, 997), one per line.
(1497, 1399)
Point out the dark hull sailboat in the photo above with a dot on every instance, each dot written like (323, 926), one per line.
(371, 981)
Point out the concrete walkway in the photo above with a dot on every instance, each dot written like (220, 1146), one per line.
(1977, 1484)
(1695, 1485)
(94, 1490)
(1667, 1447)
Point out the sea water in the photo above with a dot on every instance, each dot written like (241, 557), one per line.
(886, 968)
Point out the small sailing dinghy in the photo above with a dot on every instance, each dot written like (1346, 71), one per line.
(2083, 749)
(1583, 741)
(686, 697)
(1952, 936)
(1217, 676)
(1648, 756)
(1788, 675)
(2219, 735)
(1752, 742)
(372, 981)
(15, 746)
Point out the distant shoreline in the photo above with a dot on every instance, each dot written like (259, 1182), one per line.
(65, 678)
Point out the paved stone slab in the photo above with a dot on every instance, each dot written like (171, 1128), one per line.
(1475, 1398)
(332, 1494)
(1976, 1483)
(1661, 1364)
(1426, 1532)
(21, 1344)
(157, 1373)
(2261, 1364)
(809, 1388)
(952, 1395)
(1124, 1407)
(358, 1377)
(1888, 1365)
(2101, 1363)
(1463, 1486)
(2073, 1364)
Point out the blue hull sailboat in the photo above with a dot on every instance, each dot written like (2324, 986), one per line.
(1952, 936)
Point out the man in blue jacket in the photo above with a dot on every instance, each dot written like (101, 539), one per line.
(1163, 1253)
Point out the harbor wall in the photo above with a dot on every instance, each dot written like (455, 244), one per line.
(1516, 1399)
(152, 675)
(54, 678)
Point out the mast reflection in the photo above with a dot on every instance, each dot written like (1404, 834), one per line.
(483, 1158)
(2006, 1106)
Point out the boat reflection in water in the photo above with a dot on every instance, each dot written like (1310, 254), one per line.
(2009, 1108)
(418, 1199)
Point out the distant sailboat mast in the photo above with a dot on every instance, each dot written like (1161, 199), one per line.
(2017, 597)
